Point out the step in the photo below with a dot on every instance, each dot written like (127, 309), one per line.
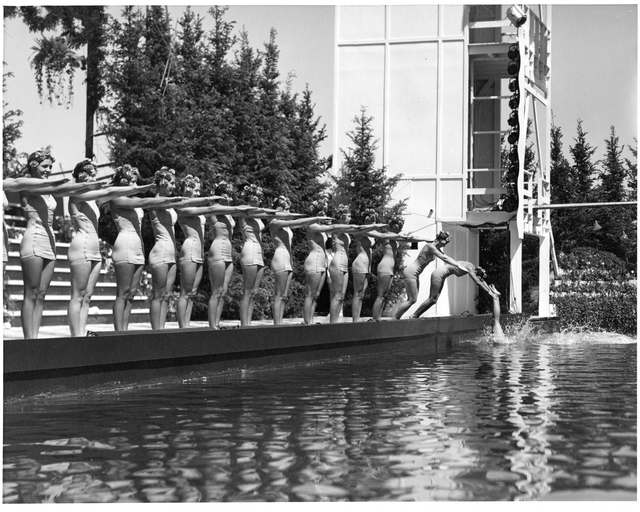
(61, 302)
(101, 316)
(60, 273)
(16, 286)
(62, 260)
(61, 247)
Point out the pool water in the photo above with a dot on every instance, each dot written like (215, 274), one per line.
(532, 417)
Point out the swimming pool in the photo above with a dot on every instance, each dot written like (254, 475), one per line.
(533, 417)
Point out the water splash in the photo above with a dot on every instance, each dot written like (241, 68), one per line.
(524, 330)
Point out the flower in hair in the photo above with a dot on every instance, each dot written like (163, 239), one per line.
(39, 156)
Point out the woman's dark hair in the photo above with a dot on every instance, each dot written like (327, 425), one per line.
(125, 174)
(163, 177)
(188, 183)
(86, 166)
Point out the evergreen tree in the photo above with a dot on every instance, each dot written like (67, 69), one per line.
(583, 168)
(560, 172)
(613, 175)
(365, 187)
(562, 186)
(618, 232)
(306, 135)
(580, 222)
(632, 175)
(135, 118)
(275, 157)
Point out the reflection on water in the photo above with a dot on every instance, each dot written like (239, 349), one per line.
(516, 420)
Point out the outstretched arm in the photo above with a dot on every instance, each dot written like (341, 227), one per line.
(188, 202)
(269, 213)
(107, 194)
(358, 228)
(481, 282)
(19, 184)
(497, 328)
(393, 236)
(145, 202)
(216, 209)
(297, 223)
(447, 259)
(73, 189)
(66, 189)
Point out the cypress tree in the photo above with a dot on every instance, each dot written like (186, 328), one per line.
(613, 174)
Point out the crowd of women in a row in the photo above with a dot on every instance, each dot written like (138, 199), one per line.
(192, 213)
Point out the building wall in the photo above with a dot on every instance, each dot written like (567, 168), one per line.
(407, 66)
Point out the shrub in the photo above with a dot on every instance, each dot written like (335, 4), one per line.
(612, 308)
(595, 292)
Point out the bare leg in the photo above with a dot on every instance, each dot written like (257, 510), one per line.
(91, 286)
(217, 277)
(190, 276)
(163, 276)
(36, 274)
(436, 288)
(171, 279)
(84, 276)
(282, 282)
(339, 282)
(228, 273)
(412, 286)
(384, 285)
(256, 287)
(360, 282)
(315, 282)
(133, 291)
(80, 272)
(127, 280)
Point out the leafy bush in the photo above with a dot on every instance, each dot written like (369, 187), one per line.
(596, 292)
(612, 308)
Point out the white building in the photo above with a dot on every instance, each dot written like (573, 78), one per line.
(435, 79)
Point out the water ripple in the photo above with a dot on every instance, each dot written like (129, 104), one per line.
(487, 421)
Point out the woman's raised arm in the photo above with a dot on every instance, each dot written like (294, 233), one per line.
(145, 202)
(107, 194)
(297, 223)
(70, 189)
(216, 209)
(19, 184)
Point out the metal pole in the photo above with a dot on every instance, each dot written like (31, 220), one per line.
(581, 205)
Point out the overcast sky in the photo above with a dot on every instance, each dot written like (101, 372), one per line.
(593, 70)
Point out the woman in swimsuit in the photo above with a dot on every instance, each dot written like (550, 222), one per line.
(251, 257)
(361, 266)
(18, 185)
(429, 252)
(458, 269)
(281, 234)
(191, 254)
(128, 250)
(219, 256)
(339, 267)
(162, 258)
(317, 262)
(38, 245)
(85, 260)
(385, 270)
